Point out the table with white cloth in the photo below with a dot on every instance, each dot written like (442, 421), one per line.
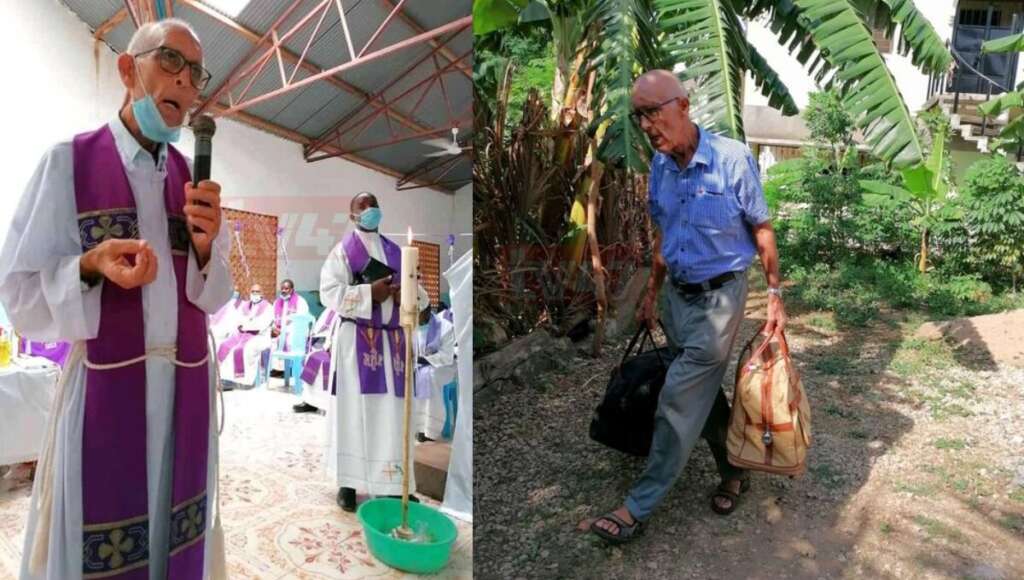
(27, 388)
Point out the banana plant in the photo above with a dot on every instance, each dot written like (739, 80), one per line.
(708, 38)
(1012, 135)
(924, 194)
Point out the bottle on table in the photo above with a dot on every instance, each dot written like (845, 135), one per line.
(5, 348)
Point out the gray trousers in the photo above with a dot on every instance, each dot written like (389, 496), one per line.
(692, 402)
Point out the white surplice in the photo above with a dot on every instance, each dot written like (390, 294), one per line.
(260, 322)
(439, 372)
(224, 322)
(364, 432)
(41, 289)
(322, 340)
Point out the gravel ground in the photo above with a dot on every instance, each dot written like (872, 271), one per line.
(916, 471)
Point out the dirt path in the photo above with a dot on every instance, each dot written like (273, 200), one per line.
(916, 472)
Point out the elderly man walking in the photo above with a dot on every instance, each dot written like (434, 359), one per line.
(109, 249)
(711, 219)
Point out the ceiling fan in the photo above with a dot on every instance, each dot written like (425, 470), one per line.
(446, 147)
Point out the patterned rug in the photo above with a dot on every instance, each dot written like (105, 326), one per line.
(279, 513)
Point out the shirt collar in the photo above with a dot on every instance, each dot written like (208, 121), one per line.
(702, 156)
(129, 148)
(366, 236)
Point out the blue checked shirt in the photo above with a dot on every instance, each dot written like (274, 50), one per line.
(705, 211)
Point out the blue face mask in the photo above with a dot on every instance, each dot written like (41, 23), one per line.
(370, 218)
(151, 123)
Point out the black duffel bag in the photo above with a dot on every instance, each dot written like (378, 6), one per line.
(625, 418)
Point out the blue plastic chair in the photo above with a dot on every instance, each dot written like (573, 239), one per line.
(299, 330)
(451, 409)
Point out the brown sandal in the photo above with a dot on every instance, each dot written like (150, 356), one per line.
(734, 498)
(625, 533)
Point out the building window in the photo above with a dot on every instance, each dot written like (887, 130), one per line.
(976, 17)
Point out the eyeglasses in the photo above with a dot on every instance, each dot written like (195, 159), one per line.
(650, 113)
(172, 61)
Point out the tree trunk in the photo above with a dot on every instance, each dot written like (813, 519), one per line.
(923, 266)
(600, 292)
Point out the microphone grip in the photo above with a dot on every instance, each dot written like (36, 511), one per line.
(201, 173)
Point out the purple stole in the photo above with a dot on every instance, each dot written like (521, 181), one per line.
(370, 332)
(315, 362)
(237, 344)
(320, 359)
(115, 508)
(331, 314)
(283, 308)
(433, 344)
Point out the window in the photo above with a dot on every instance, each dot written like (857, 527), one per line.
(976, 17)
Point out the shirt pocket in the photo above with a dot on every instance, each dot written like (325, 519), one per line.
(711, 209)
(666, 207)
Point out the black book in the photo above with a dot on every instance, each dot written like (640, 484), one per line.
(374, 270)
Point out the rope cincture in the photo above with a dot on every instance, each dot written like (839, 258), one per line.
(168, 352)
(44, 500)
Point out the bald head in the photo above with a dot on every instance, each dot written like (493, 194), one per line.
(363, 200)
(661, 105)
(657, 86)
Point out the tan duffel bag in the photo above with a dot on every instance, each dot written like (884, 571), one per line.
(770, 425)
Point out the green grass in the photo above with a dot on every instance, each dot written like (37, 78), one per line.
(827, 474)
(916, 358)
(935, 529)
(944, 443)
(822, 321)
(944, 411)
(1017, 495)
(836, 411)
(886, 528)
(918, 489)
(942, 403)
(1013, 522)
(833, 365)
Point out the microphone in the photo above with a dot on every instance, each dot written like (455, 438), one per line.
(203, 128)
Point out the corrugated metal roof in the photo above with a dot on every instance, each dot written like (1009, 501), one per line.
(317, 107)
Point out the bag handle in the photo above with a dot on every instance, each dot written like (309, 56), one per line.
(760, 352)
(643, 334)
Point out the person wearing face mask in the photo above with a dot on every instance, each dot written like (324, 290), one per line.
(110, 250)
(435, 368)
(365, 417)
(239, 356)
(287, 304)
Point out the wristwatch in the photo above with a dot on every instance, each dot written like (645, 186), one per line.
(776, 291)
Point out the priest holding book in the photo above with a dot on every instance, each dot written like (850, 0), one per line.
(359, 281)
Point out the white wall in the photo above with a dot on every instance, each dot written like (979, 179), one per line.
(912, 83)
(54, 92)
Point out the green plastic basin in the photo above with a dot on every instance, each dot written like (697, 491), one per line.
(380, 516)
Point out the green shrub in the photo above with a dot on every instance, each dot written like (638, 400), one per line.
(993, 206)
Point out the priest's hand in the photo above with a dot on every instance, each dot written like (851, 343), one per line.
(205, 217)
(381, 289)
(110, 259)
